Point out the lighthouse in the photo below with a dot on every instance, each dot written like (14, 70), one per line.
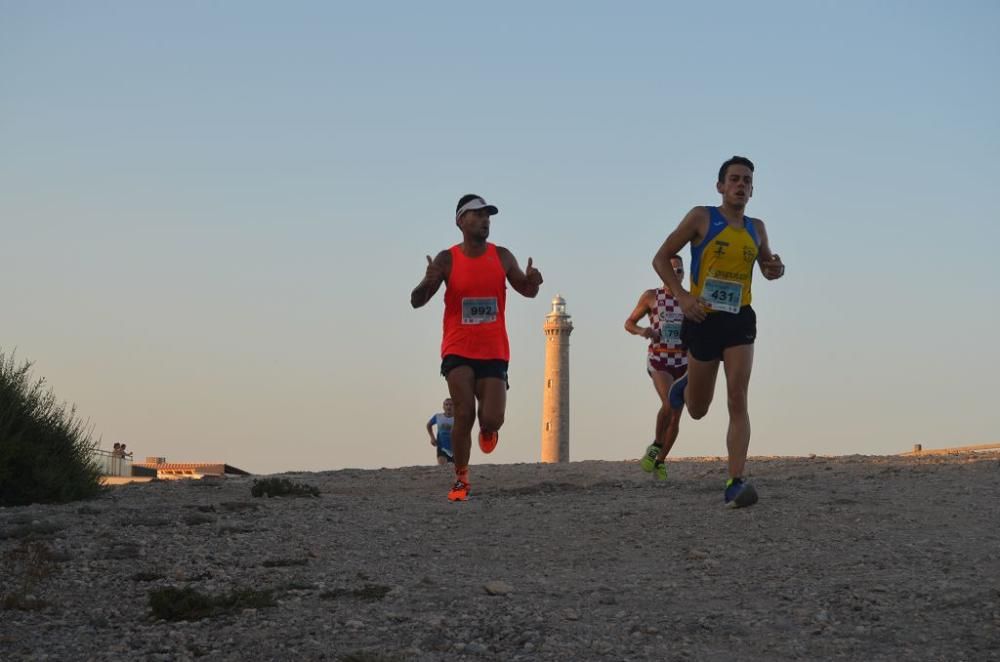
(555, 391)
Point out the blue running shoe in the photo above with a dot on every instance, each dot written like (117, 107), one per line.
(739, 493)
(676, 393)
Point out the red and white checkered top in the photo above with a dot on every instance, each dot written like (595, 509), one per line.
(666, 312)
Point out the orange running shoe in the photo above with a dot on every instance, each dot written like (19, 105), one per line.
(488, 441)
(459, 491)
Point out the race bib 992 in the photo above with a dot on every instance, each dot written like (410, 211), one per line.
(479, 310)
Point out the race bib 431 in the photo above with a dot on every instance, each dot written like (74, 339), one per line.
(722, 295)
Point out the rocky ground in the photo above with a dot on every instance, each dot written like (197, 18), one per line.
(844, 558)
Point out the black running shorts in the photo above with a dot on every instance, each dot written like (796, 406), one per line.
(482, 368)
(706, 340)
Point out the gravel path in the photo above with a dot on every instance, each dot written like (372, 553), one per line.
(845, 558)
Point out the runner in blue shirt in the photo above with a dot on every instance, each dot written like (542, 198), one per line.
(442, 441)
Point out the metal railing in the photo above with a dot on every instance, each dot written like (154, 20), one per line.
(110, 464)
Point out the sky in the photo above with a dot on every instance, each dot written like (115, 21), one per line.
(213, 214)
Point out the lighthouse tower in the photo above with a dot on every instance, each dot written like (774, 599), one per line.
(555, 391)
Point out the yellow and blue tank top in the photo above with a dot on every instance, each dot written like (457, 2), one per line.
(722, 264)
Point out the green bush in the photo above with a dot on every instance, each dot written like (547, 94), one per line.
(273, 487)
(45, 450)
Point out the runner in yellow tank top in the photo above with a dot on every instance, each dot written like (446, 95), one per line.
(722, 264)
(719, 325)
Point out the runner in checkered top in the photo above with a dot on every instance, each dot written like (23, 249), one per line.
(666, 361)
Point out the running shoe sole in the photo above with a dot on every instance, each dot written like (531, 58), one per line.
(746, 497)
(459, 493)
(488, 443)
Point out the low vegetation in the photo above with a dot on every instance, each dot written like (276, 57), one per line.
(279, 487)
(369, 656)
(368, 592)
(45, 449)
(189, 604)
(26, 566)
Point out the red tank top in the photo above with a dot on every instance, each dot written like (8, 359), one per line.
(474, 303)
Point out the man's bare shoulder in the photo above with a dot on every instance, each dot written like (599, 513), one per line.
(506, 257)
(758, 224)
(699, 212)
(697, 219)
(694, 226)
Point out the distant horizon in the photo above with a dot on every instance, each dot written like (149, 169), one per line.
(974, 449)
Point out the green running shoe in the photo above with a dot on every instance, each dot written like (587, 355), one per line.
(660, 470)
(649, 459)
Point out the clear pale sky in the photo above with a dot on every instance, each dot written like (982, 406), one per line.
(213, 214)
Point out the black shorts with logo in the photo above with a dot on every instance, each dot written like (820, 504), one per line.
(482, 368)
(706, 340)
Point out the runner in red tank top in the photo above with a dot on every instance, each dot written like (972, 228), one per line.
(474, 349)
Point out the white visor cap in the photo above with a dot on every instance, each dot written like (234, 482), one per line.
(474, 204)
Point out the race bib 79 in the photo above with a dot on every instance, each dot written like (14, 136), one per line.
(670, 328)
